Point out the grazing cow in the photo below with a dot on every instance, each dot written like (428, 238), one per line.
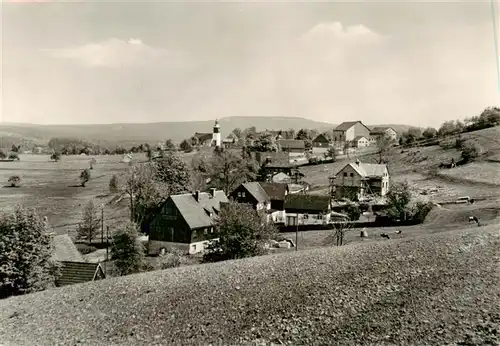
(474, 219)
(385, 235)
(399, 231)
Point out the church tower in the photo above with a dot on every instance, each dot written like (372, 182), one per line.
(216, 137)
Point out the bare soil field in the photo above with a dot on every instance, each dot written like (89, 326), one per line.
(52, 187)
(439, 289)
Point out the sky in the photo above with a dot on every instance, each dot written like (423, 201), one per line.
(415, 63)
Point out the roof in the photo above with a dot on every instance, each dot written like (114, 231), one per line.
(203, 136)
(357, 138)
(195, 212)
(307, 202)
(380, 129)
(275, 191)
(321, 138)
(65, 249)
(78, 272)
(292, 143)
(367, 169)
(256, 190)
(346, 125)
(281, 177)
(295, 188)
(277, 157)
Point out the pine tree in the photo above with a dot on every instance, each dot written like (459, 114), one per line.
(26, 248)
(113, 184)
(127, 251)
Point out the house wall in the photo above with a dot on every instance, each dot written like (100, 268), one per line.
(279, 216)
(169, 225)
(362, 143)
(154, 246)
(392, 134)
(307, 219)
(319, 150)
(348, 184)
(241, 195)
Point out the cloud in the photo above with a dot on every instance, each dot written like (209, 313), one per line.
(119, 53)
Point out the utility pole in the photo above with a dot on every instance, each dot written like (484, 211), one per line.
(102, 223)
(297, 233)
(107, 250)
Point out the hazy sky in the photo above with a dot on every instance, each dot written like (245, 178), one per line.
(392, 62)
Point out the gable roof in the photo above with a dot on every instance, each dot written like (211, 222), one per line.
(275, 191)
(281, 177)
(312, 203)
(203, 136)
(65, 249)
(357, 138)
(292, 143)
(346, 125)
(255, 189)
(195, 212)
(78, 272)
(322, 138)
(381, 129)
(367, 169)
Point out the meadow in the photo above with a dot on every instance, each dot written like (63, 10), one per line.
(53, 188)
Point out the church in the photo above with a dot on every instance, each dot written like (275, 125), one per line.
(210, 139)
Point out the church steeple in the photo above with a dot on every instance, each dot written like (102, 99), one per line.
(216, 136)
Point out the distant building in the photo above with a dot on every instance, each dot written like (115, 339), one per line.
(357, 181)
(213, 139)
(386, 131)
(347, 131)
(361, 142)
(307, 209)
(321, 144)
(216, 135)
(252, 193)
(79, 272)
(294, 147)
(186, 222)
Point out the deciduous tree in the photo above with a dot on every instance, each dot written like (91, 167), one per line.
(398, 199)
(14, 180)
(241, 232)
(84, 177)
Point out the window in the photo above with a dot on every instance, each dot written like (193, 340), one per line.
(193, 247)
(352, 174)
(205, 231)
(345, 174)
(239, 194)
(243, 194)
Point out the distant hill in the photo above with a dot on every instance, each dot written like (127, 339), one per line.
(132, 133)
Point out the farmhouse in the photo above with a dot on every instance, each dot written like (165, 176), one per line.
(252, 193)
(307, 209)
(347, 131)
(295, 147)
(386, 131)
(185, 222)
(361, 142)
(358, 181)
(320, 144)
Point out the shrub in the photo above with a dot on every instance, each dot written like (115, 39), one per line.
(87, 249)
(84, 177)
(186, 146)
(470, 151)
(2, 155)
(55, 156)
(353, 211)
(14, 181)
(113, 184)
(420, 211)
(13, 156)
(171, 259)
(127, 251)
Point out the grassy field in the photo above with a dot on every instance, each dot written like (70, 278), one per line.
(429, 290)
(52, 187)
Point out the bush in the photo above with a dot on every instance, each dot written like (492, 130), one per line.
(84, 177)
(420, 211)
(3, 156)
(113, 184)
(470, 151)
(127, 252)
(14, 181)
(13, 156)
(55, 156)
(171, 259)
(353, 211)
(87, 249)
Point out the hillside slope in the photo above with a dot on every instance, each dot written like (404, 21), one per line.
(437, 289)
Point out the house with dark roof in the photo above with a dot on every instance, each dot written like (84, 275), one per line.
(321, 144)
(294, 147)
(252, 193)
(347, 131)
(307, 209)
(79, 272)
(186, 222)
(385, 131)
(358, 180)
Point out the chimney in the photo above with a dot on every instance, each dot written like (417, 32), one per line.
(197, 195)
(212, 192)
